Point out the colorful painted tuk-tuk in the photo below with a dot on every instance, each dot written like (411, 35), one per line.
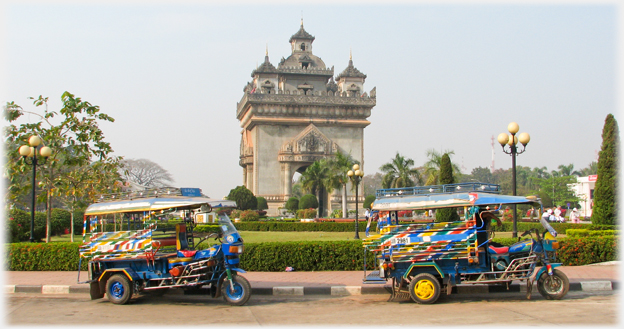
(133, 249)
(424, 259)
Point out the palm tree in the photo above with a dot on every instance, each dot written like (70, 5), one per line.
(314, 180)
(432, 167)
(568, 170)
(338, 179)
(399, 172)
(591, 169)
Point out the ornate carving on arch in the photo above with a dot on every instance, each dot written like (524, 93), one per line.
(308, 146)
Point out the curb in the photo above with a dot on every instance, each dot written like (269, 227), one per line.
(331, 291)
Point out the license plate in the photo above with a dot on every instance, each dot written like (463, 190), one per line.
(404, 240)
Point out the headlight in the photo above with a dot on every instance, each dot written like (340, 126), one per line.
(236, 249)
(230, 239)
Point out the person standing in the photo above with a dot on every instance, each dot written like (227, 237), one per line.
(558, 215)
(574, 216)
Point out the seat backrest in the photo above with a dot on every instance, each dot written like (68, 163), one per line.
(181, 238)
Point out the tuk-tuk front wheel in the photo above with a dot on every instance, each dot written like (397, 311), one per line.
(553, 286)
(241, 293)
(425, 288)
(118, 289)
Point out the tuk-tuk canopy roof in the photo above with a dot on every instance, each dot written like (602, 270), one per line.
(421, 198)
(155, 203)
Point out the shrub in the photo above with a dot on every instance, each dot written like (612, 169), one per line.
(570, 233)
(308, 201)
(292, 205)
(244, 198)
(306, 256)
(249, 216)
(236, 213)
(262, 203)
(303, 256)
(19, 230)
(336, 213)
(306, 213)
(587, 250)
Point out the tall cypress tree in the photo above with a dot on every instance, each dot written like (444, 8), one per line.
(446, 177)
(606, 191)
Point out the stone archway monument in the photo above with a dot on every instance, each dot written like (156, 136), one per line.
(296, 114)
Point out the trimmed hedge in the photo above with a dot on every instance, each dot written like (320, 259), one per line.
(303, 256)
(57, 256)
(306, 256)
(559, 227)
(589, 250)
(575, 233)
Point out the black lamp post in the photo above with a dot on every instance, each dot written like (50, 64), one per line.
(511, 141)
(356, 176)
(29, 153)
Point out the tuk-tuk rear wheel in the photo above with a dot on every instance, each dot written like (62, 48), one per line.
(118, 289)
(425, 288)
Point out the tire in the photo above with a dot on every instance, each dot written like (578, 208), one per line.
(425, 288)
(241, 293)
(118, 289)
(554, 286)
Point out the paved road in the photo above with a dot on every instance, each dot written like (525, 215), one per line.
(509, 309)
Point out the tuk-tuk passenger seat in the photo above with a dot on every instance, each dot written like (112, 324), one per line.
(182, 242)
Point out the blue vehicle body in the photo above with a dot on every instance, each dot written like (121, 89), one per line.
(423, 258)
(142, 260)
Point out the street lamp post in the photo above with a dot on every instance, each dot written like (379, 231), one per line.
(356, 176)
(29, 153)
(511, 141)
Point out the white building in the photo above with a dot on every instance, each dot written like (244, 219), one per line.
(584, 190)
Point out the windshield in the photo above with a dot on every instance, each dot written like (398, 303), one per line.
(226, 224)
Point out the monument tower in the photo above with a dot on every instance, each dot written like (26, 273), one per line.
(296, 114)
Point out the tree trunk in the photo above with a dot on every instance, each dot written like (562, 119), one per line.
(71, 229)
(48, 217)
(49, 211)
(345, 212)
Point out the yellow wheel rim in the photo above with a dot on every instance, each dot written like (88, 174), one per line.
(424, 289)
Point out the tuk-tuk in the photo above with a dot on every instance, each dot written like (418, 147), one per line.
(143, 243)
(423, 259)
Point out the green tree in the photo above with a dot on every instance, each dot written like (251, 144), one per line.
(605, 209)
(591, 169)
(368, 201)
(308, 201)
(244, 198)
(315, 179)
(434, 165)
(399, 172)
(77, 143)
(568, 170)
(482, 175)
(338, 179)
(557, 190)
(292, 205)
(262, 203)
(446, 177)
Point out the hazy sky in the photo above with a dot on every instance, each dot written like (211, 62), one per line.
(448, 76)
